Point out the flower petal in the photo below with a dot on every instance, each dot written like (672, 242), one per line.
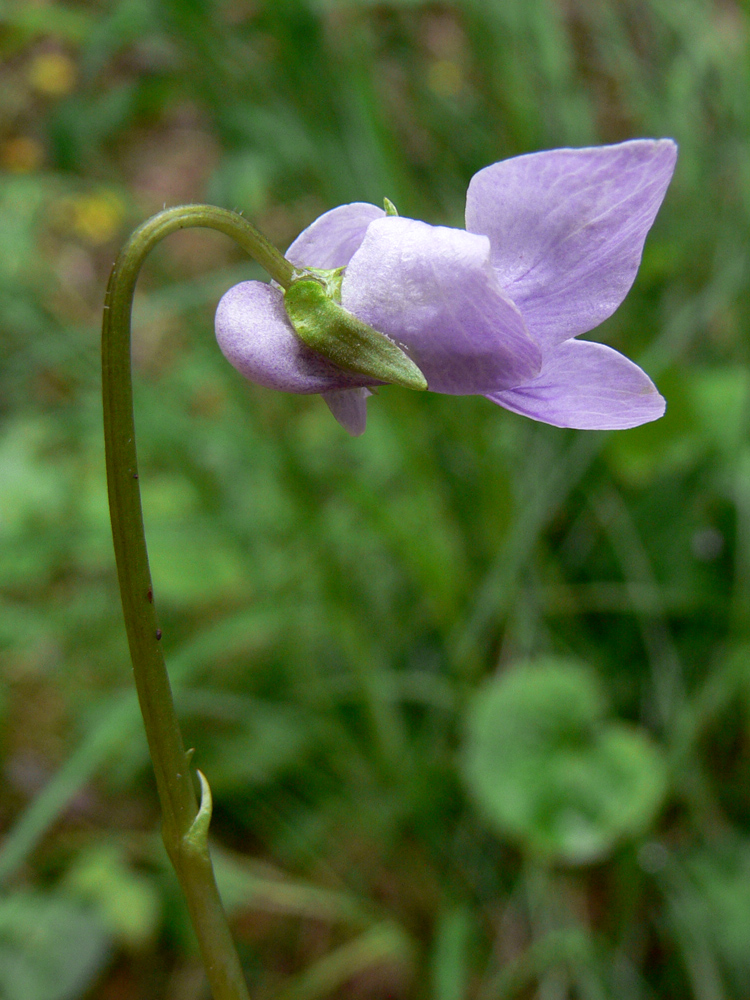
(588, 386)
(567, 228)
(255, 335)
(334, 237)
(349, 407)
(433, 291)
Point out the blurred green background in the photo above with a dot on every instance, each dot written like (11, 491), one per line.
(472, 693)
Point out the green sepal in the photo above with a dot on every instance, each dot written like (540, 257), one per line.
(389, 207)
(329, 329)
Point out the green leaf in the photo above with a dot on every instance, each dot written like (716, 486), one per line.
(126, 900)
(385, 945)
(451, 967)
(709, 891)
(51, 948)
(550, 772)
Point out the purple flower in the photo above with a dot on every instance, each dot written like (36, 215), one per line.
(552, 245)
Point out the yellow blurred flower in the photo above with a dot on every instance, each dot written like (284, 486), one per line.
(21, 154)
(52, 73)
(95, 218)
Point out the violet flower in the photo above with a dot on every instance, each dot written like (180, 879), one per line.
(552, 244)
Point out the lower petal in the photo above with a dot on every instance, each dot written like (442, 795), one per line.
(349, 407)
(255, 335)
(587, 386)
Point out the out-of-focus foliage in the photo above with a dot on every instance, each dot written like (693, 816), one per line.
(330, 606)
(50, 948)
(551, 772)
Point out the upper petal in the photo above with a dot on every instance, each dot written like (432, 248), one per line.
(434, 292)
(588, 386)
(567, 228)
(334, 237)
(255, 335)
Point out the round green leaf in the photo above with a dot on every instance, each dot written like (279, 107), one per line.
(550, 772)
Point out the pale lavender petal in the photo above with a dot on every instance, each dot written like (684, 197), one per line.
(434, 292)
(349, 407)
(255, 335)
(588, 386)
(332, 239)
(567, 228)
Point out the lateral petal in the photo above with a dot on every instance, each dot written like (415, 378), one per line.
(334, 237)
(349, 407)
(567, 228)
(255, 335)
(588, 386)
(434, 292)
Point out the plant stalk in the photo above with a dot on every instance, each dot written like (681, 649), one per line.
(184, 824)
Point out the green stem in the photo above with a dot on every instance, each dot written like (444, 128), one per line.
(185, 827)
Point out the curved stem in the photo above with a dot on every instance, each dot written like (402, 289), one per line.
(185, 827)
